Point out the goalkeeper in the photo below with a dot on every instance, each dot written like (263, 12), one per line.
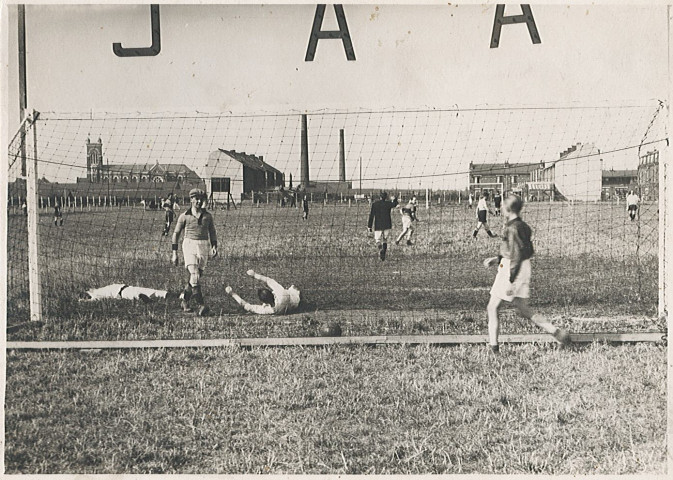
(200, 241)
(275, 299)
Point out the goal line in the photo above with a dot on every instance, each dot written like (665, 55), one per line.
(321, 341)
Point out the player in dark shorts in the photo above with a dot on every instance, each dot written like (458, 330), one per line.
(497, 201)
(58, 214)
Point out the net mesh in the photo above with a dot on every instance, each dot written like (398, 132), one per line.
(110, 174)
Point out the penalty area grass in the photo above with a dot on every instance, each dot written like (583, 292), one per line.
(594, 409)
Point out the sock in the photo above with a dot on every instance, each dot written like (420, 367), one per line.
(543, 324)
(187, 293)
(474, 234)
(385, 247)
(198, 297)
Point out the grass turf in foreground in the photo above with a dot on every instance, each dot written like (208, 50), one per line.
(392, 409)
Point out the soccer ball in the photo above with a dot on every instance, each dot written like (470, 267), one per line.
(331, 330)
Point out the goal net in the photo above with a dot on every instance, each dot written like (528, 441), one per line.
(102, 182)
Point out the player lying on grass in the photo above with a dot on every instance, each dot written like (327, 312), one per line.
(408, 218)
(200, 240)
(275, 299)
(482, 212)
(512, 283)
(127, 292)
(379, 219)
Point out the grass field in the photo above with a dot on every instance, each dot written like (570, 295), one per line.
(392, 409)
(591, 261)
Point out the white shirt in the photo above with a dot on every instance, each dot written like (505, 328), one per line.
(285, 300)
(482, 204)
(632, 199)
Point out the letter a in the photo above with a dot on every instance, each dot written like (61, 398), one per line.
(500, 20)
(317, 33)
(150, 51)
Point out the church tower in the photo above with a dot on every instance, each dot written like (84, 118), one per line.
(94, 160)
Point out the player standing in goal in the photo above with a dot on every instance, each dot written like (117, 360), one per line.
(200, 240)
(512, 282)
(482, 212)
(380, 221)
(275, 299)
(408, 217)
(632, 201)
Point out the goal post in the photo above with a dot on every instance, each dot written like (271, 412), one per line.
(32, 199)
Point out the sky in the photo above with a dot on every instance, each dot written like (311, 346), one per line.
(245, 60)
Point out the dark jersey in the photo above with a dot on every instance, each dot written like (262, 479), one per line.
(379, 217)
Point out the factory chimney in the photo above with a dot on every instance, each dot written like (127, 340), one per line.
(342, 157)
(304, 152)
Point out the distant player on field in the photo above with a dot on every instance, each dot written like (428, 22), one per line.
(200, 240)
(304, 206)
(512, 283)
(127, 292)
(58, 214)
(275, 299)
(482, 212)
(380, 221)
(170, 214)
(408, 218)
(497, 201)
(632, 201)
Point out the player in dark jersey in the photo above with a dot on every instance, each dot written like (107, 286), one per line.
(304, 206)
(58, 214)
(381, 223)
(170, 214)
(200, 241)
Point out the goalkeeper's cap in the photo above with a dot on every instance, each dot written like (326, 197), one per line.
(196, 192)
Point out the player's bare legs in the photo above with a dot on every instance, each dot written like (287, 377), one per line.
(493, 323)
(521, 305)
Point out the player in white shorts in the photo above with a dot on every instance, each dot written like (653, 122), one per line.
(408, 218)
(512, 283)
(275, 299)
(200, 242)
(380, 221)
(127, 292)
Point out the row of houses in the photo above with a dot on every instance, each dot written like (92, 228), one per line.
(576, 175)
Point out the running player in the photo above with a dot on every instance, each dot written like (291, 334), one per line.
(482, 212)
(200, 240)
(512, 283)
(408, 217)
(170, 214)
(127, 292)
(379, 219)
(58, 214)
(632, 201)
(275, 299)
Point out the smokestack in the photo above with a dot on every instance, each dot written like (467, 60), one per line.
(342, 157)
(304, 152)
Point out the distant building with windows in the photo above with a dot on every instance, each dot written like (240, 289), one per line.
(575, 175)
(97, 171)
(648, 176)
(505, 177)
(239, 173)
(617, 183)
